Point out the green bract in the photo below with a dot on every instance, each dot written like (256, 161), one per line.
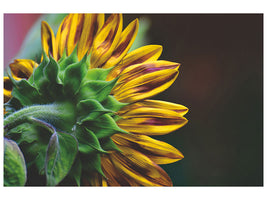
(62, 118)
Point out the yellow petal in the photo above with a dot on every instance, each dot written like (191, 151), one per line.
(151, 121)
(158, 151)
(48, 40)
(98, 180)
(7, 89)
(75, 32)
(182, 110)
(22, 68)
(140, 168)
(106, 40)
(140, 55)
(144, 80)
(126, 40)
(92, 24)
(63, 33)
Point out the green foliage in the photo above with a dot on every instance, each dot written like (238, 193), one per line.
(14, 165)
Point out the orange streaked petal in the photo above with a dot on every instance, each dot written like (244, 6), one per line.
(63, 33)
(126, 40)
(74, 32)
(22, 68)
(140, 168)
(92, 24)
(106, 40)
(182, 110)
(140, 55)
(7, 89)
(158, 151)
(48, 40)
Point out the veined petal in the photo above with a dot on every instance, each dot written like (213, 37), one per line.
(158, 151)
(7, 89)
(140, 168)
(182, 110)
(92, 24)
(142, 81)
(140, 55)
(63, 33)
(22, 68)
(114, 178)
(48, 40)
(98, 180)
(106, 40)
(75, 32)
(126, 40)
(151, 121)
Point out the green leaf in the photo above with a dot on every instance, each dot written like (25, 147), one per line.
(91, 163)
(104, 126)
(98, 90)
(112, 103)
(90, 109)
(88, 141)
(108, 144)
(12, 105)
(76, 171)
(97, 74)
(61, 153)
(14, 165)
(73, 76)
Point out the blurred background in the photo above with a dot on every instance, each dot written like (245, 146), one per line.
(220, 81)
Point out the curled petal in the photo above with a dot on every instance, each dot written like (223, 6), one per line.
(106, 40)
(140, 55)
(126, 40)
(48, 40)
(151, 121)
(140, 168)
(182, 110)
(114, 178)
(62, 34)
(92, 24)
(142, 81)
(7, 89)
(75, 32)
(158, 151)
(22, 68)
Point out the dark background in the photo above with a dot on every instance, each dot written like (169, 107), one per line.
(221, 82)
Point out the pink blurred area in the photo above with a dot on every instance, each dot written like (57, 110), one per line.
(16, 27)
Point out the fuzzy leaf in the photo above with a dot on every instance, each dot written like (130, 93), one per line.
(14, 165)
(61, 153)
(98, 90)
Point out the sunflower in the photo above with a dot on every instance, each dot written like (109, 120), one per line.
(83, 115)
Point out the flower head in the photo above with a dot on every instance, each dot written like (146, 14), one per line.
(83, 115)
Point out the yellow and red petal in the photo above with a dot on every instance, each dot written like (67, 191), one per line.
(126, 40)
(158, 151)
(106, 40)
(92, 24)
(62, 34)
(144, 80)
(75, 31)
(151, 121)
(138, 167)
(140, 55)
(22, 68)
(48, 40)
(7, 89)
(180, 109)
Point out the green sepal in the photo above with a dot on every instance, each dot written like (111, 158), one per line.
(88, 141)
(91, 163)
(74, 75)
(61, 153)
(104, 126)
(64, 63)
(98, 90)
(26, 93)
(76, 171)
(90, 109)
(12, 105)
(15, 172)
(112, 103)
(97, 74)
(108, 144)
